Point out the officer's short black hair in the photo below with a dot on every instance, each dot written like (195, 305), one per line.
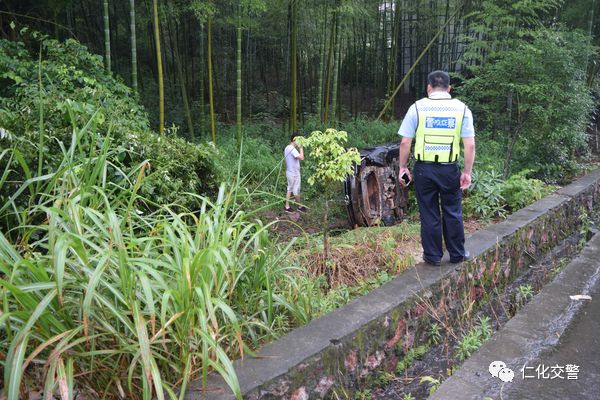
(438, 79)
(294, 135)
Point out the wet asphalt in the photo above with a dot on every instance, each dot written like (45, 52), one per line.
(555, 337)
(579, 345)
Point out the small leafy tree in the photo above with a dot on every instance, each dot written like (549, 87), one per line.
(333, 163)
(533, 101)
(526, 84)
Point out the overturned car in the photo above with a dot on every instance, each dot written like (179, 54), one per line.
(373, 195)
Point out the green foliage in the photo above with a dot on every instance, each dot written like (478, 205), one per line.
(157, 295)
(383, 378)
(496, 26)
(333, 162)
(343, 294)
(491, 196)
(468, 345)
(415, 353)
(585, 223)
(260, 161)
(408, 396)
(65, 87)
(530, 96)
(435, 333)
(484, 200)
(474, 338)
(264, 141)
(519, 191)
(485, 328)
(363, 395)
(363, 132)
(435, 383)
(524, 293)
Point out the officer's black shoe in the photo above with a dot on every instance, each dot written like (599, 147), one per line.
(431, 262)
(466, 257)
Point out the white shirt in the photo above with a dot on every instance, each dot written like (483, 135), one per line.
(292, 163)
(411, 119)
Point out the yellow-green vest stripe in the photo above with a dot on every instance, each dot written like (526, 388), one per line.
(437, 138)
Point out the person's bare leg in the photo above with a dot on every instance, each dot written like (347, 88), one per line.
(288, 195)
(298, 200)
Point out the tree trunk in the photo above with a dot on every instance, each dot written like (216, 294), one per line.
(202, 65)
(336, 69)
(184, 95)
(391, 84)
(591, 37)
(161, 87)
(238, 97)
(210, 83)
(326, 243)
(134, 80)
(329, 62)
(293, 65)
(321, 65)
(106, 36)
(415, 64)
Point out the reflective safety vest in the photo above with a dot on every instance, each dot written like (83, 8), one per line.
(437, 138)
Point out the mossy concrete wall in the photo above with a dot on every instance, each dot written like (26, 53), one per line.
(337, 351)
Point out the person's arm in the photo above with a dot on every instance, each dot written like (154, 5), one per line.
(297, 151)
(405, 144)
(407, 132)
(469, 149)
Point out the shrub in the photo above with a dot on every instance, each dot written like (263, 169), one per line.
(531, 98)
(261, 161)
(491, 196)
(111, 299)
(484, 200)
(62, 86)
(362, 132)
(519, 191)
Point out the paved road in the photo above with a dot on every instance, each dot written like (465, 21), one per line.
(553, 330)
(579, 345)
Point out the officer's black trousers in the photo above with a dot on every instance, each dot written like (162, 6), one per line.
(438, 187)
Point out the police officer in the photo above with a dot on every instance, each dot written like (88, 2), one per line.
(438, 123)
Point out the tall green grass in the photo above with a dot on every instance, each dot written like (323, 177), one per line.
(101, 293)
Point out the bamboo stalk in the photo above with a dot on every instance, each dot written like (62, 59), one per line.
(134, 80)
(329, 61)
(321, 65)
(293, 67)
(210, 83)
(201, 78)
(425, 50)
(238, 99)
(106, 36)
(161, 88)
(336, 69)
(184, 94)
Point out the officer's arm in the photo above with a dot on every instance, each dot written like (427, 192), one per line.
(469, 149)
(407, 131)
(405, 143)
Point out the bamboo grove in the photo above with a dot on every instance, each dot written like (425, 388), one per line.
(128, 268)
(224, 61)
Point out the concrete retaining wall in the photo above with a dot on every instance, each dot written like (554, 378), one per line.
(373, 332)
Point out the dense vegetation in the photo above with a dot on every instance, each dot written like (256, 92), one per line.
(126, 267)
(69, 88)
